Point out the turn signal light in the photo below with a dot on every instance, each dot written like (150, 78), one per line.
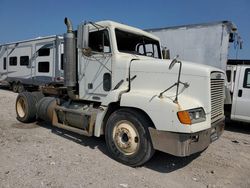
(184, 117)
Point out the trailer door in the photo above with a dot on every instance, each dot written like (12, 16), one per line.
(241, 95)
(3, 68)
(44, 72)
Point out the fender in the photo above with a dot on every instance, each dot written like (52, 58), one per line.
(163, 111)
(113, 96)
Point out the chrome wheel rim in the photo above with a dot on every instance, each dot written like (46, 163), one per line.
(126, 137)
(21, 107)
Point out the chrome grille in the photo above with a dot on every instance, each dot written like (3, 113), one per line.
(217, 96)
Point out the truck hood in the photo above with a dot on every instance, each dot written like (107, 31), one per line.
(153, 76)
(162, 67)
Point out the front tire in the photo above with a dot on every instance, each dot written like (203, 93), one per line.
(127, 137)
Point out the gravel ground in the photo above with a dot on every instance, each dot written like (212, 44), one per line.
(38, 155)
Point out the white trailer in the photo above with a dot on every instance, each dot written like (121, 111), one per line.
(206, 43)
(209, 44)
(31, 63)
(117, 84)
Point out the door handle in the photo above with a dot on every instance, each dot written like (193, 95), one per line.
(240, 93)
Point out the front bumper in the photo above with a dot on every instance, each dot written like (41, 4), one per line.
(185, 144)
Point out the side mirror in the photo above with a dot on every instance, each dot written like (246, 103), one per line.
(85, 36)
(83, 39)
(173, 62)
(165, 53)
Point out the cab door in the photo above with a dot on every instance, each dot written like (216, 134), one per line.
(241, 95)
(97, 67)
(44, 72)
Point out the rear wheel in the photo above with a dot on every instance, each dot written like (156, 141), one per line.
(26, 107)
(38, 95)
(20, 88)
(128, 138)
(15, 87)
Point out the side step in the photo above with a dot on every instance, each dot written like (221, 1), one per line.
(72, 129)
(89, 122)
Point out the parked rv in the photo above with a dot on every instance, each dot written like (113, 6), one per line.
(209, 44)
(118, 85)
(31, 63)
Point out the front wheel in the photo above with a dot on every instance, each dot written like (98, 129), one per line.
(127, 137)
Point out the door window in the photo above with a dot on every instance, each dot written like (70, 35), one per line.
(99, 41)
(43, 66)
(246, 83)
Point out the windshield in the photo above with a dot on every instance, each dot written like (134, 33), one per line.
(137, 44)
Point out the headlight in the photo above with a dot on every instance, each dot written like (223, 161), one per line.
(191, 116)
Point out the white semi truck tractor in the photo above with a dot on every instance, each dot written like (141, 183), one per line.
(117, 84)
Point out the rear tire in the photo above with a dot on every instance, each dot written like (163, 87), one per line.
(127, 137)
(44, 112)
(15, 87)
(20, 88)
(38, 95)
(26, 107)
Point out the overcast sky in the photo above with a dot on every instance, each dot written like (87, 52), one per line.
(25, 19)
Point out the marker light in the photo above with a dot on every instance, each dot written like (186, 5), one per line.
(191, 116)
(184, 117)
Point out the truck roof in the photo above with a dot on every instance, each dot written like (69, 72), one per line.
(34, 39)
(126, 28)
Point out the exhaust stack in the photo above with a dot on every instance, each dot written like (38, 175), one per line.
(69, 25)
(69, 62)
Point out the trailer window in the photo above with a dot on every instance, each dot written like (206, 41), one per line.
(246, 83)
(24, 60)
(13, 61)
(4, 63)
(44, 52)
(62, 58)
(99, 41)
(43, 66)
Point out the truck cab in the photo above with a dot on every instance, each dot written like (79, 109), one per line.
(112, 47)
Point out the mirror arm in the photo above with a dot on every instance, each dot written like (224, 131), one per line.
(178, 82)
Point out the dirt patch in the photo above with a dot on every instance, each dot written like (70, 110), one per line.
(24, 126)
(39, 155)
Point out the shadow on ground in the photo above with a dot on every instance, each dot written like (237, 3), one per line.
(91, 142)
(240, 127)
(165, 163)
(160, 162)
(4, 87)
